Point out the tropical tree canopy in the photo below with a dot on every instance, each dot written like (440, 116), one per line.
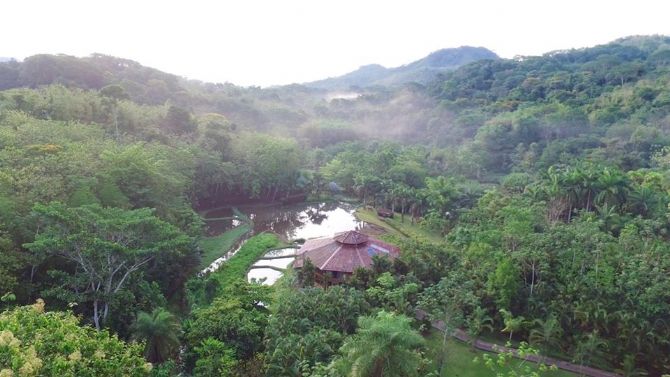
(384, 345)
(35, 342)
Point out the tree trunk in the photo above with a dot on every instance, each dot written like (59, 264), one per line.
(96, 317)
(105, 312)
(569, 213)
(443, 355)
(115, 114)
(378, 370)
(532, 278)
(597, 262)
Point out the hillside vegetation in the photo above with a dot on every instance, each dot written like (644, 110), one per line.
(539, 189)
(421, 71)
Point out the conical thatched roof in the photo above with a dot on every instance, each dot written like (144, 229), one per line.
(344, 252)
(351, 237)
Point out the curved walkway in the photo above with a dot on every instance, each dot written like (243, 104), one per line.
(283, 247)
(270, 267)
(496, 348)
(278, 257)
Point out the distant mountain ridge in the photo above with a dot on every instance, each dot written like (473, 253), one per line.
(421, 71)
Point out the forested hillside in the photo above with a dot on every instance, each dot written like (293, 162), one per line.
(608, 103)
(421, 71)
(531, 198)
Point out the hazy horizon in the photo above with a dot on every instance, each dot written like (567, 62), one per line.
(275, 43)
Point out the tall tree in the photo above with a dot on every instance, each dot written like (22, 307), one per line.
(512, 323)
(105, 246)
(160, 330)
(384, 345)
(547, 333)
(237, 318)
(179, 120)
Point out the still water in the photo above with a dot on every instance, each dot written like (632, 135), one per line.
(270, 275)
(291, 222)
(294, 221)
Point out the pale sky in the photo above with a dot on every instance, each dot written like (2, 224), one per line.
(271, 42)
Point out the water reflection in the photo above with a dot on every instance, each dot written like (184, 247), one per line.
(219, 212)
(296, 221)
(216, 227)
(266, 276)
(292, 221)
(287, 252)
(269, 274)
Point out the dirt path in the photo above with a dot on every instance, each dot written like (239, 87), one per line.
(496, 348)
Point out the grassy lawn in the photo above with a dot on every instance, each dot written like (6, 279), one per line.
(395, 227)
(217, 246)
(460, 356)
(237, 266)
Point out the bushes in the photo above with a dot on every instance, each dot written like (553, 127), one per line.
(203, 291)
(236, 268)
(34, 342)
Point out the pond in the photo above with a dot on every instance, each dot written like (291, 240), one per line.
(281, 259)
(293, 221)
(290, 222)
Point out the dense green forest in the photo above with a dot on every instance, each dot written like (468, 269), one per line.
(542, 182)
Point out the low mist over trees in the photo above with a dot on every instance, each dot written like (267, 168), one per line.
(530, 200)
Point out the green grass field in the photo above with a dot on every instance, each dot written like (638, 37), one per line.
(459, 359)
(217, 246)
(237, 266)
(398, 228)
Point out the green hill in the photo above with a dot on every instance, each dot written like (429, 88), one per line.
(421, 71)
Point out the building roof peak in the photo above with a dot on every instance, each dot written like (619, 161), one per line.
(351, 237)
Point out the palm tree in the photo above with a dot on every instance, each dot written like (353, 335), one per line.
(588, 184)
(384, 345)
(561, 192)
(590, 348)
(512, 323)
(160, 330)
(547, 334)
(609, 218)
(570, 181)
(614, 187)
(404, 193)
(643, 200)
(628, 368)
(478, 322)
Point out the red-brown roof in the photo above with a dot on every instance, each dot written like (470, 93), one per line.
(351, 238)
(344, 253)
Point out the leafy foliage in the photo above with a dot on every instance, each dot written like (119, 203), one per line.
(38, 343)
(542, 182)
(384, 345)
(106, 246)
(307, 327)
(160, 331)
(229, 329)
